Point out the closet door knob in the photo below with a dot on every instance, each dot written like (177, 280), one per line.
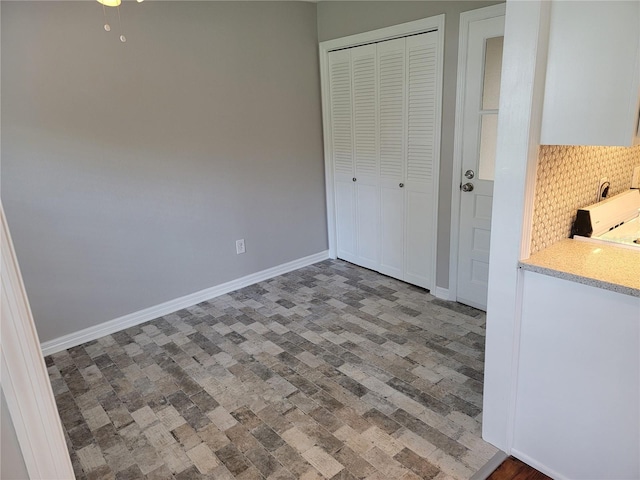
(353, 179)
(401, 185)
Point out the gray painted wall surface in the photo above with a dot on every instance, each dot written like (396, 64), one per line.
(339, 19)
(11, 459)
(129, 170)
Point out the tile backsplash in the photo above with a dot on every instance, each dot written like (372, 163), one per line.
(567, 179)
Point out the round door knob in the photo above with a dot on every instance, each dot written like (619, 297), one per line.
(354, 179)
(467, 187)
(401, 185)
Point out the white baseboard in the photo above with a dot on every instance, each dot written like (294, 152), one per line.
(537, 465)
(141, 316)
(441, 293)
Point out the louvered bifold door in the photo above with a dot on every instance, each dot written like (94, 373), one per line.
(391, 134)
(420, 232)
(342, 151)
(363, 65)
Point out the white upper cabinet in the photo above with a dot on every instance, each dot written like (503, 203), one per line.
(592, 89)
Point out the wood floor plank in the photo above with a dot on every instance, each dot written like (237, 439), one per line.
(514, 469)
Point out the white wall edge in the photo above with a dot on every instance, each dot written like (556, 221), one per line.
(442, 293)
(537, 465)
(141, 316)
(25, 381)
(523, 75)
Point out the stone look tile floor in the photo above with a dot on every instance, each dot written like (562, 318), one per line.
(332, 371)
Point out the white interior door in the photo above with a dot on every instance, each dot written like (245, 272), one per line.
(479, 135)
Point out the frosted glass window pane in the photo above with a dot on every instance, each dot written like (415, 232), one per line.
(488, 140)
(492, 69)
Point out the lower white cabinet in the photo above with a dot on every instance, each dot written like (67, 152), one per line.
(384, 103)
(577, 412)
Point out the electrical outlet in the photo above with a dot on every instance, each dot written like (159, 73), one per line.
(240, 246)
(603, 189)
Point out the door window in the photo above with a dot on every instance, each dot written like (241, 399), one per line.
(489, 108)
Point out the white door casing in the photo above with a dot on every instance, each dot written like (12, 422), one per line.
(481, 34)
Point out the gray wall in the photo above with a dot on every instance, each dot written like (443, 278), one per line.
(11, 459)
(129, 170)
(339, 19)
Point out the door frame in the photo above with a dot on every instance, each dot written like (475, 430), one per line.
(430, 24)
(466, 18)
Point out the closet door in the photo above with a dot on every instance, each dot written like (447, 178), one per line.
(384, 124)
(421, 203)
(342, 150)
(391, 132)
(363, 65)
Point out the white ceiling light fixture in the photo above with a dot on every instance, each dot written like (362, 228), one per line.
(116, 4)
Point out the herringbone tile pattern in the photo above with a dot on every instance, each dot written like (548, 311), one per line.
(331, 371)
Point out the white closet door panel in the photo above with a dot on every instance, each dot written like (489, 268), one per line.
(392, 128)
(420, 230)
(341, 111)
(422, 64)
(419, 239)
(363, 61)
(346, 220)
(340, 77)
(367, 225)
(391, 98)
(392, 235)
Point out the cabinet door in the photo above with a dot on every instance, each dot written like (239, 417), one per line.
(573, 335)
(392, 86)
(363, 64)
(422, 110)
(342, 151)
(592, 88)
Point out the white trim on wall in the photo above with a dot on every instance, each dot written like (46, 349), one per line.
(435, 23)
(25, 381)
(465, 20)
(141, 316)
(441, 293)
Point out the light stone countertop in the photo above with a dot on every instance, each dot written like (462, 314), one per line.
(603, 266)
